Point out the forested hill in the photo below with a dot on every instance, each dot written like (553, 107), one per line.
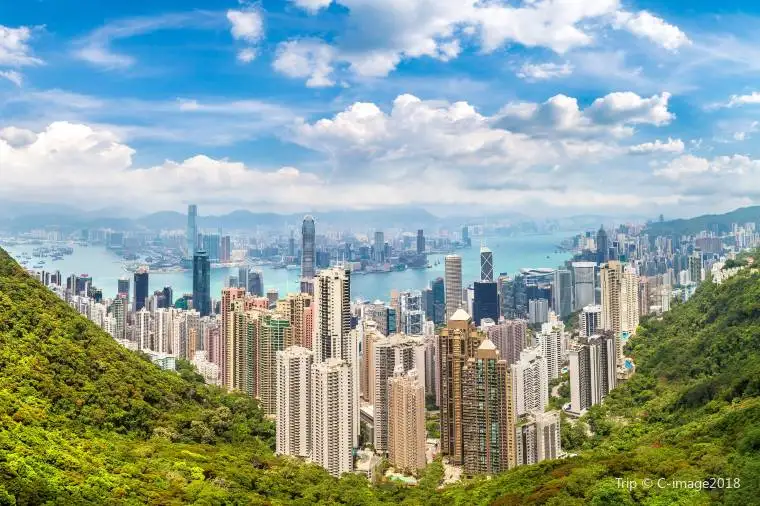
(84, 421)
(718, 223)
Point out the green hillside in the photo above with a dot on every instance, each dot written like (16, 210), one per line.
(719, 223)
(84, 421)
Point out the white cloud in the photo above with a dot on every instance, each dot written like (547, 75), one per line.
(380, 35)
(13, 76)
(544, 71)
(614, 114)
(14, 47)
(740, 173)
(247, 25)
(739, 100)
(306, 59)
(645, 25)
(671, 146)
(246, 55)
(312, 6)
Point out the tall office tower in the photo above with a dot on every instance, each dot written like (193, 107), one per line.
(530, 382)
(428, 304)
(226, 341)
(388, 354)
(144, 329)
(420, 242)
(226, 249)
(466, 236)
(439, 301)
(538, 311)
(488, 418)
(509, 336)
(168, 295)
(243, 277)
(308, 248)
(453, 284)
(412, 312)
(275, 330)
(141, 288)
(202, 283)
(294, 401)
(431, 361)
(590, 320)
(123, 288)
(562, 293)
(255, 283)
(291, 245)
(602, 246)
(620, 292)
(379, 247)
(538, 438)
(695, 267)
(584, 274)
(550, 339)
(297, 307)
(192, 231)
(332, 409)
(457, 343)
(368, 334)
(332, 323)
(593, 372)
(406, 421)
(485, 301)
(212, 245)
(486, 264)
(119, 309)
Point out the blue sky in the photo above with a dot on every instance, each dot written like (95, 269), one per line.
(548, 107)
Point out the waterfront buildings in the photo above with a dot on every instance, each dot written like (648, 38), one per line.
(141, 288)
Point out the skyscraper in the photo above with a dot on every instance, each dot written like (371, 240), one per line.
(308, 248)
(538, 438)
(439, 301)
(389, 354)
(379, 247)
(550, 340)
(486, 301)
(141, 288)
(332, 411)
(192, 230)
(585, 284)
(602, 246)
(458, 342)
(294, 397)
(332, 324)
(590, 320)
(488, 415)
(530, 382)
(255, 284)
(420, 242)
(226, 337)
(466, 236)
(695, 267)
(406, 421)
(593, 372)
(509, 336)
(123, 287)
(202, 283)
(486, 264)
(453, 284)
(412, 312)
(298, 308)
(562, 293)
(620, 293)
(274, 332)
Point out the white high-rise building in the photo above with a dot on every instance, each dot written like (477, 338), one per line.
(453, 284)
(332, 323)
(592, 373)
(538, 311)
(591, 320)
(294, 398)
(144, 331)
(539, 438)
(530, 382)
(332, 408)
(412, 313)
(550, 339)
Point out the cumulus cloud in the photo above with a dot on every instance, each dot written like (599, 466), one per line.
(14, 47)
(645, 25)
(670, 146)
(544, 71)
(615, 114)
(730, 176)
(308, 59)
(247, 26)
(380, 35)
(739, 100)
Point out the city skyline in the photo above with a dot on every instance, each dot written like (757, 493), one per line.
(297, 98)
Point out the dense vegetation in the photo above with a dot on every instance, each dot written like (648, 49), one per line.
(719, 223)
(84, 421)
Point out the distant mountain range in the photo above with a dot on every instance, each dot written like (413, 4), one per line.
(719, 223)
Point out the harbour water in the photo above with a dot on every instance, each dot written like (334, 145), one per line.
(510, 254)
